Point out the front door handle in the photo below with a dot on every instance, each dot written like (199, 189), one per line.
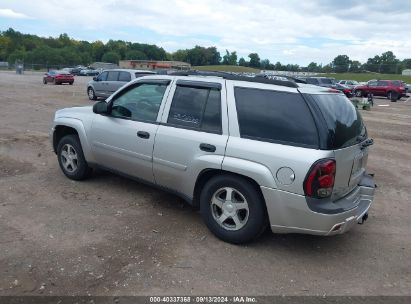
(143, 134)
(207, 147)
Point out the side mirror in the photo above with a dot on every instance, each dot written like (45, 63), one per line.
(100, 107)
(95, 78)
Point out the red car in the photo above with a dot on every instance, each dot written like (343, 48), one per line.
(58, 77)
(392, 89)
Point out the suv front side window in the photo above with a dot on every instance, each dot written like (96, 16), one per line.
(196, 108)
(102, 76)
(141, 102)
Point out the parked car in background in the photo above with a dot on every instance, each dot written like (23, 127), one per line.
(349, 83)
(392, 89)
(319, 81)
(249, 152)
(89, 72)
(345, 89)
(76, 71)
(109, 81)
(58, 77)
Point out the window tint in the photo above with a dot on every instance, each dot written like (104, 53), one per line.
(396, 83)
(344, 122)
(140, 74)
(102, 76)
(326, 80)
(372, 83)
(383, 83)
(198, 108)
(140, 102)
(312, 81)
(112, 76)
(124, 76)
(275, 117)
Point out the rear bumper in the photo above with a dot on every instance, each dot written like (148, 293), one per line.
(290, 213)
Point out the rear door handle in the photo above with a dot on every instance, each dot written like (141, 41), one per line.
(143, 134)
(207, 147)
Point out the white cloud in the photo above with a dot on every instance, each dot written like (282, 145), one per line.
(9, 13)
(288, 31)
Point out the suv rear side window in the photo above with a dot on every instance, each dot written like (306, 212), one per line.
(112, 76)
(124, 76)
(344, 122)
(272, 116)
(196, 108)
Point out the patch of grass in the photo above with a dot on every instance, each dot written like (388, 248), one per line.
(226, 68)
(368, 76)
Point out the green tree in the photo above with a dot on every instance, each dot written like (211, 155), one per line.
(341, 63)
(355, 66)
(135, 55)
(230, 58)
(254, 60)
(111, 57)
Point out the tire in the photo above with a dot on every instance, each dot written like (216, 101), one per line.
(392, 96)
(44, 81)
(71, 158)
(91, 94)
(71, 83)
(358, 93)
(250, 212)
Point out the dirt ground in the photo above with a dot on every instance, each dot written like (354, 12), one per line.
(112, 236)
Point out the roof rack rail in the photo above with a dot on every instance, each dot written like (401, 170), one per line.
(229, 76)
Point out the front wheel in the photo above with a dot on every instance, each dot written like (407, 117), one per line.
(71, 158)
(91, 94)
(233, 209)
(358, 93)
(392, 96)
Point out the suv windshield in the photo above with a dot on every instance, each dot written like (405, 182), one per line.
(344, 122)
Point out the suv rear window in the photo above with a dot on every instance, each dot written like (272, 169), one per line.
(124, 76)
(396, 83)
(326, 80)
(272, 116)
(344, 122)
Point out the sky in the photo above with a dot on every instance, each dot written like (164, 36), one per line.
(292, 31)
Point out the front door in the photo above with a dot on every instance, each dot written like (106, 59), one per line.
(124, 140)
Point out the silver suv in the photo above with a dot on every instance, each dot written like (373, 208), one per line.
(249, 152)
(109, 81)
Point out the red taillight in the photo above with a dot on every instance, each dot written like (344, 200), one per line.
(319, 182)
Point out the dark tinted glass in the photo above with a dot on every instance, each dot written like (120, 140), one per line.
(383, 83)
(396, 83)
(326, 80)
(312, 81)
(275, 117)
(102, 76)
(344, 122)
(198, 108)
(139, 74)
(124, 76)
(112, 76)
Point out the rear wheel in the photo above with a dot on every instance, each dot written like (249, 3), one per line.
(91, 94)
(71, 83)
(44, 81)
(71, 158)
(233, 209)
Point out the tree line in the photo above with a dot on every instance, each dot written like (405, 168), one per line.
(63, 50)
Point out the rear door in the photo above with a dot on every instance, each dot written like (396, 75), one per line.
(112, 82)
(100, 85)
(346, 135)
(373, 87)
(193, 134)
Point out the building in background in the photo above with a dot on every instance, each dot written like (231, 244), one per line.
(103, 66)
(154, 65)
(406, 72)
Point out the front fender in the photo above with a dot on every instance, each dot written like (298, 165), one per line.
(77, 125)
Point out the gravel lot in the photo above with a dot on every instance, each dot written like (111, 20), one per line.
(112, 236)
